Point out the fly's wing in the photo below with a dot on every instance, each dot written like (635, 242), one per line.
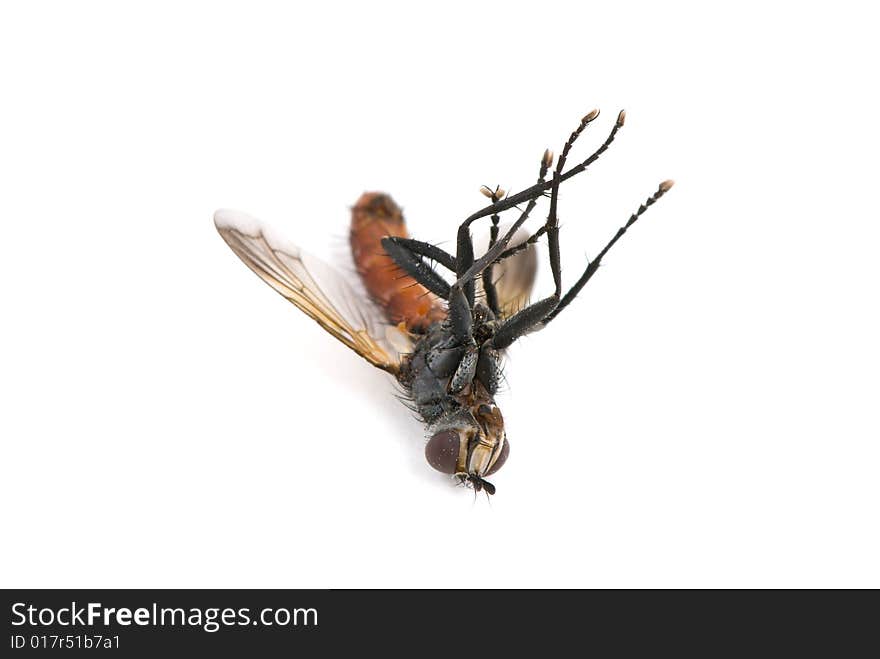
(316, 289)
(514, 276)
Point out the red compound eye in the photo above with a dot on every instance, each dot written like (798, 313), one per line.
(441, 451)
(505, 451)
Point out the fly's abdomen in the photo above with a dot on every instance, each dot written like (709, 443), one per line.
(375, 216)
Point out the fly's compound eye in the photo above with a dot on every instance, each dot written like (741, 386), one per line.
(502, 458)
(442, 450)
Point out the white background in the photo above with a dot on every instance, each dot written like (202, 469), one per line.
(705, 414)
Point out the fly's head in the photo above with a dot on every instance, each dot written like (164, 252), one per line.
(470, 444)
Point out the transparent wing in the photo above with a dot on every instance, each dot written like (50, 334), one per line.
(316, 289)
(514, 277)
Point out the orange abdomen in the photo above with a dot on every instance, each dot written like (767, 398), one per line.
(374, 216)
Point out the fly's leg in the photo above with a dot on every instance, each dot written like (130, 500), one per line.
(411, 263)
(552, 224)
(527, 319)
(522, 322)
(594, 264)
(552, 218)
(516, 249)
(542, 312)
(489, 283)
(464, 261)
(461, 320)
(409, 256)
(466, 370)
(469, 269)
(466, 268)
(426, 250)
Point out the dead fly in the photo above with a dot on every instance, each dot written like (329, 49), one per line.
(443, 342)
